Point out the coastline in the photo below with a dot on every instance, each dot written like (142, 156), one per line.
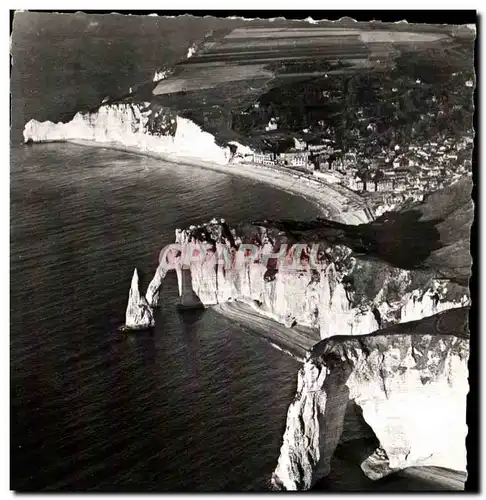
(330, 201)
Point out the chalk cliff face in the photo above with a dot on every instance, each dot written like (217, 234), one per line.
(331, 276)
(145, 126)
(153, 290)
(409, 380)
(332, 290)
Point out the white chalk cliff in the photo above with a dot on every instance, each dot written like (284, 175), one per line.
(153, 290)
(409, 380)
(139, 314)
(141, 125)
(345, 293)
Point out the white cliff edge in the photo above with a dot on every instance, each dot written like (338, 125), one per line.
(139, 315)
(317, 298)
(153, 290)
(410, 381)
(127, 124)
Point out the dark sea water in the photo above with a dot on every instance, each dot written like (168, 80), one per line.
(198, 405)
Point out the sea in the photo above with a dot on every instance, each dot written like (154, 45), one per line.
(200, 403)
(197, 405)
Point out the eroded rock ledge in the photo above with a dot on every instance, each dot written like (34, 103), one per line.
(409, 380)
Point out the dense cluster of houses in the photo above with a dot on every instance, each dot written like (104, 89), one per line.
(357, 184)
(406, 165)
(416, 168)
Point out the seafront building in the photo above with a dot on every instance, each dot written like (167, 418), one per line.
(409, 170)
(264, 158)
(294, 158)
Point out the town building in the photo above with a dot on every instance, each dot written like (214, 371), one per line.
(384, 185)
(272, 125)
(324, 165)
(318, 147)
(299, 144)
(355, 183)
(264, 158)
(295, 158)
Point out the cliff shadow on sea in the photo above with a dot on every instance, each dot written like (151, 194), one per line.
(189, 298)
(402, 239)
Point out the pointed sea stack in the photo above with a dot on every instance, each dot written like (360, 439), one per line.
(139, 315)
